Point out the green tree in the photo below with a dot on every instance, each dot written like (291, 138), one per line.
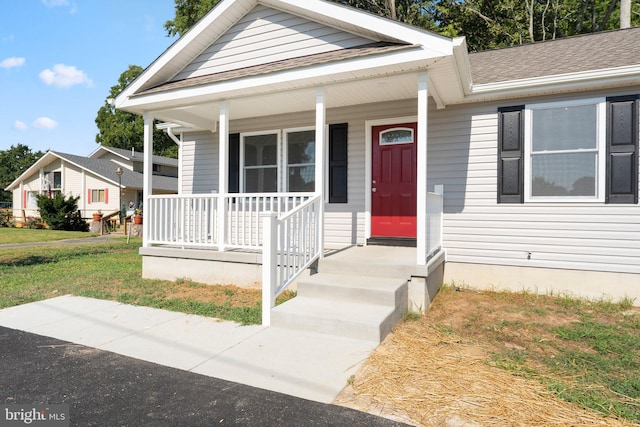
(188, 12)
(13, 162)
(122, 129)
(60, 212)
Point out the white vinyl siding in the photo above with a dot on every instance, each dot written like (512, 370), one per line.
(581, 236)
(267, 35)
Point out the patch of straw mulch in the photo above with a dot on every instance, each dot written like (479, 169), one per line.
(425, 377)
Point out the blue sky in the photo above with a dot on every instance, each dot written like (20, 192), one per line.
(59, 58)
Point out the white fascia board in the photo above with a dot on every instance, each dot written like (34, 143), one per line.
(557, 82)
(369, 22)
(108, 150)
(290, 79)
(463, 66)
(222, 8)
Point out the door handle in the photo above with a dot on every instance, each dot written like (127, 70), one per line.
(373, 190)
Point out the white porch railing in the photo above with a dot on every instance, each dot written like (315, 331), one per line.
(291, 245)
(192, 220)
(435, 208)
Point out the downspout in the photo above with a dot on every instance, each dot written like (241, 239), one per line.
(174, 137)
(178, 141)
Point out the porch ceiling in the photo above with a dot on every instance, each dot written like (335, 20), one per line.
(203, 116)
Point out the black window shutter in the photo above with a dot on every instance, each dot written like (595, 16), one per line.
(338, 163)
(234, 163)
(622, 149)
(511, 154)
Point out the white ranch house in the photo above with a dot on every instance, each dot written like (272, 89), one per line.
(306, 128)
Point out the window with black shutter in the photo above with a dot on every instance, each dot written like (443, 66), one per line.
(510, 155)
(622, 149)
(337, 164)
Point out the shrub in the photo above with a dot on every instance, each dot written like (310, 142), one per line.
(6, 218)
(61, 213)
(34, 223)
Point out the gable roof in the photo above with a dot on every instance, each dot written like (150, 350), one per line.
(134, 156)
(217, 60)
(604, 50)
(104, 169)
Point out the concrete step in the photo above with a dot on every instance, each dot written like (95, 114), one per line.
(361, 289)
(369, 268)
(368, 322)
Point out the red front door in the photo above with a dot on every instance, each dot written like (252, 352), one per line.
(393, 180)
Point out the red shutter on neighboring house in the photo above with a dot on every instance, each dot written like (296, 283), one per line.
(89, 196)
(106, 195)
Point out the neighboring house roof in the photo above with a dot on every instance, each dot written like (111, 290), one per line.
(609, 49)
(104, 169)
(134, 156)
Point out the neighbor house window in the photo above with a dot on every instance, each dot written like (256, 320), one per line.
(98, 196)
(31, 200)
(301, 158)
(57, 180)
(565, 150)
(584, 150)
(260, 162)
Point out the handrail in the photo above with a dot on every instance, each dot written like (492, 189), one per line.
(290, 246)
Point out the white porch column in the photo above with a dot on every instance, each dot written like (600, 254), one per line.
(321, 113)
(421, 217)
(223, 171)
(147, 185)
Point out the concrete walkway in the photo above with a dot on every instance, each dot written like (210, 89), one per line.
(303, 364)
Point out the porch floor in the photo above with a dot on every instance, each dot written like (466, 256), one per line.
(299, 363)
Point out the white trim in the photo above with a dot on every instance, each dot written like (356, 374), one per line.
(147, 180)
(368, 128)
(421, 169)
(600, 150)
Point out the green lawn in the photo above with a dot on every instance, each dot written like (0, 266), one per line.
(25, 235)
(112, 270)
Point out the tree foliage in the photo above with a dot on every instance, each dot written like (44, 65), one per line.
(122, 129)
(60, 212)
(13, 162)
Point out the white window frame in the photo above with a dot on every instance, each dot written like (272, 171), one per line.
(278, 134)
(600, 150)
(285, 155)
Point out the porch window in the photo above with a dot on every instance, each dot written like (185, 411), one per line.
(57, 180)
(301, 157)
(260, 166)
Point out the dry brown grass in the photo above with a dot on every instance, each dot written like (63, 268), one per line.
(426, 373)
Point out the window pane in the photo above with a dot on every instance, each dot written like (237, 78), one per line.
(57, 180)
(565, 128)
(261, 150)
(301, 147)
(556, 175)
(261, 180)
(396, 136)
(302, 178)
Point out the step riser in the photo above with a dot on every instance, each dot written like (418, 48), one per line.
(340, 292)
(338, 327)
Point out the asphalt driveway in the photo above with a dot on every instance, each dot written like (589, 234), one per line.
(107, 389)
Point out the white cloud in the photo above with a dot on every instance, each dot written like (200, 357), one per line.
(55, 3)
(8, 38)
(12, 62)
(65, 76)
(45, 123)
(19, 125)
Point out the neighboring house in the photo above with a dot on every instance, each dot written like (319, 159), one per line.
(277, 103)
(92, 178)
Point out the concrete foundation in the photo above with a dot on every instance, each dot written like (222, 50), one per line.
(579, 283)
